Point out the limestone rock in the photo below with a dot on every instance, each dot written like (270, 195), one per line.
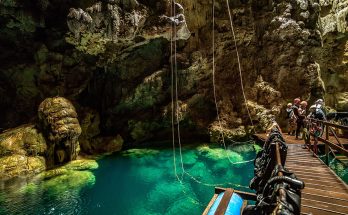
(264, 93)
(119, 22)
(342, 101)
(334, 16)
(91, 142)
(59, 122)
(229, 135)
(20, 166)
(22, 152)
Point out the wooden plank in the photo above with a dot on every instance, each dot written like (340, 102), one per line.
(325, 198)
(326, 186)
(303, 175)
(221, 209)
(309, 170)
(326, 205)
(309, 209)
(324, 192)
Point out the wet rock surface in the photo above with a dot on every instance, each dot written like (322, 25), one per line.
(22, 152)
(112, 59)
(58, 120)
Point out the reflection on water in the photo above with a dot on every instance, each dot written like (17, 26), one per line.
(137, 181)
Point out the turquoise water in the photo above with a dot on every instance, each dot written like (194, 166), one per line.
(137, 181)
(338, 167)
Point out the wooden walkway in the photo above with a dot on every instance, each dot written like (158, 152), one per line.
(324, 192)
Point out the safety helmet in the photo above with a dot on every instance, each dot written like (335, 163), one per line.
(313, 107)
(303, 103)
(319, 102)
(297, 101)
(289, 105)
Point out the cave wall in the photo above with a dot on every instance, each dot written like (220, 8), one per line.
(113, 62)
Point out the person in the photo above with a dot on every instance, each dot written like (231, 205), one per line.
(316, 130)
(295, 109)
(291, 119)
(301, 117)
(319, 110)
(288, 110)
(312, 110)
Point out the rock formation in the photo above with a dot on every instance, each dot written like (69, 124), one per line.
(22, 152)
(113, 59)
(31, 149)
(58, 120)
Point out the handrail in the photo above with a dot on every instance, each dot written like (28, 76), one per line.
(330, 124)
(329, 145)
(334, 146)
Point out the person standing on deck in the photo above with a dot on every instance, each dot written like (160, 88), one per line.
(301, 118)
(291, 119)
(319, 110)
(295, 109)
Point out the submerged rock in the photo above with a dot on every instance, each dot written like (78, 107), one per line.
(74, 176)
(218, 154)
(140, 152)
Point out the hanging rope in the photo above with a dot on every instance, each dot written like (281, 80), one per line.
(215, 97)
(214, 86)
(176, 95)
(172, 91)
(174, 73)
(239, 64)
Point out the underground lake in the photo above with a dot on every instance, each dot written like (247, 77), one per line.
(136, 181)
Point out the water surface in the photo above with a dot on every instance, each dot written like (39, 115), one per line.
(137, 181)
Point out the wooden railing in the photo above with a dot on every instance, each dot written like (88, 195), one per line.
(330, 146)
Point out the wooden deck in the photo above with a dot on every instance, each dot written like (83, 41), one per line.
(324, 192)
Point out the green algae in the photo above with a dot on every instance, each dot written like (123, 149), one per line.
(59, 184)
(185, 205)
(166, 190)
(73, 180)
(189, 158)
(257, 148)
(72, 176)
(219, 154)
(149, 174)
(89, 43)
(242, 148)
(140, 152)
(82, 165)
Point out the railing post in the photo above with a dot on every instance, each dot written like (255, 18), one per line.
(315, 146)
(326, 154)
(327, 132)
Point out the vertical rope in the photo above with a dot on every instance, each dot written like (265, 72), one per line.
(174, 72)
(239, 64)
(172, 94)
